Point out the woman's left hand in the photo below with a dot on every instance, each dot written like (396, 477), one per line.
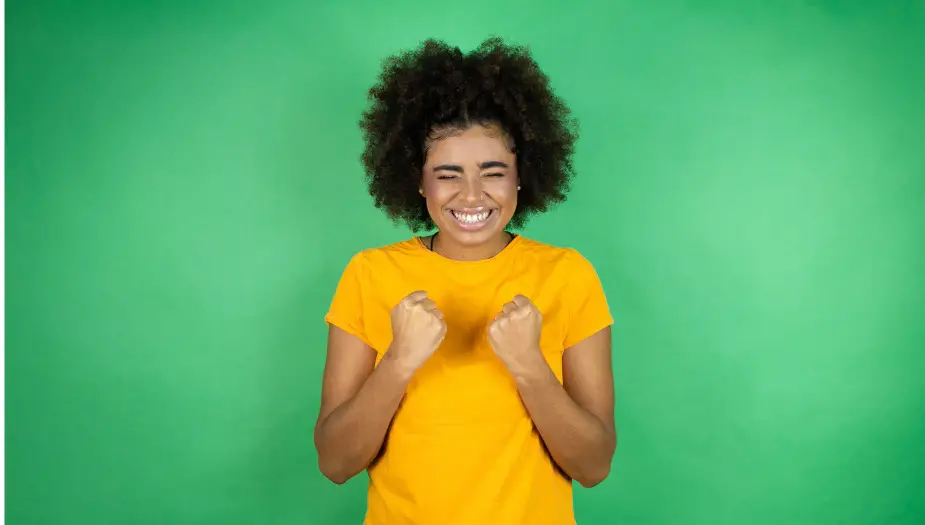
(515, 334)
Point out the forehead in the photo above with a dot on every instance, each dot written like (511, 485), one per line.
(476, 143)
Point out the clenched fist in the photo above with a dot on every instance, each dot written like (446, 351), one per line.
(417, 330)
(515, 333)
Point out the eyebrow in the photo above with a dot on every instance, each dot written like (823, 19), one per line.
(492, 164)
(483, 166)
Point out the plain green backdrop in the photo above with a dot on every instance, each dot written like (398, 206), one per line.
(183, 189)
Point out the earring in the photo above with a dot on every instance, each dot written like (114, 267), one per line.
(518, 188)
(421, 191)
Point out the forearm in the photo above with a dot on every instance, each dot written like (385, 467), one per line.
(579, 442)
(350, 437)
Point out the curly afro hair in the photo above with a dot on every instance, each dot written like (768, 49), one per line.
(436, 88)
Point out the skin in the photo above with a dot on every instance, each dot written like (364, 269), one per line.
(472, 170)
(466, 172)
(359, 399)
(575, 419)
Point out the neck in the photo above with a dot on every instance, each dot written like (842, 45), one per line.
(446, 247)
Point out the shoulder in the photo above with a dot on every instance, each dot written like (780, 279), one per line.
(560, 257)
(397, 250)
(385, 256)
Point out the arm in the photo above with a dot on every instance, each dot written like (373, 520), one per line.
(576, 419)
(358, 402)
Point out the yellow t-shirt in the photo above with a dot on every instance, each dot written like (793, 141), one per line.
(462, 448)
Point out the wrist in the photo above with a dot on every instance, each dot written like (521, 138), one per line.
(529, 367)
(402, 367)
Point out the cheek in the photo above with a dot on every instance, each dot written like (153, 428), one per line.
(504, 192)
(437, 194)
(437, 197)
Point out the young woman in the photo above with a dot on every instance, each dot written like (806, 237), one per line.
(469, 371)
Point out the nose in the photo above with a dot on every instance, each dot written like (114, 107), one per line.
(472, 190)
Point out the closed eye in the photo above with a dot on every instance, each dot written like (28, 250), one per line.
(447, 177)
(494, 175)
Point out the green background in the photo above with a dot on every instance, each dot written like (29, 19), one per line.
(183, 189)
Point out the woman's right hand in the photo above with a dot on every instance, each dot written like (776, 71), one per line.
(417, 330)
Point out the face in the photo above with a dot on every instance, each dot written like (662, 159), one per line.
(470, 183)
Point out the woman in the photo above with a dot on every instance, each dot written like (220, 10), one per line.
(468, 371)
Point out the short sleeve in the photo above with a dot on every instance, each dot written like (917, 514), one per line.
(589, 312)
(346, 311)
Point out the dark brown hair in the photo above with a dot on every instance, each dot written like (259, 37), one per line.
(436, 88)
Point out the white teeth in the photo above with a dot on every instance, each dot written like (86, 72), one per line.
(471, 217)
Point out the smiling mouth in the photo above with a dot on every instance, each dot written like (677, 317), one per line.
(472, 219)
